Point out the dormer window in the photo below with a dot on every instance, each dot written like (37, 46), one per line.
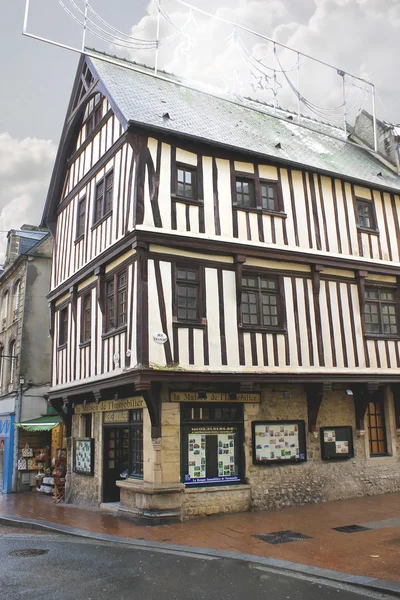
(186, 182)
(365, 213)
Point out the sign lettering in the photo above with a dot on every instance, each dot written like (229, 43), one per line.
(117, 416)
(110, 405)
(213, 397)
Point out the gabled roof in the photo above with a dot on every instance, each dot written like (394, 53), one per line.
(142, 99)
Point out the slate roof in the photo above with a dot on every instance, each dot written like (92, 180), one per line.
(144, 99)
(28, 239)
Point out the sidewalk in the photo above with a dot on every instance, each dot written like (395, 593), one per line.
(373, 552)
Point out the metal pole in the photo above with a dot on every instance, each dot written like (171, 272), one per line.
(84, 26)
(344, 105)
(298, 88)
(26, 16)
(158, 36)
(374, 119)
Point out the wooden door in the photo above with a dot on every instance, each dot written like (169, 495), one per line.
(116, 455)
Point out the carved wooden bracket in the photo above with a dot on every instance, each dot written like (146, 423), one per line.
(316, 279)
(361, 276)
(52, 309)
(97, 396)
(59, 405)
(239, 262)
(246, 386)
(74, 294)
(315, 394)
(362, 397)
(152, 397)
(396, 400)
(100, 291)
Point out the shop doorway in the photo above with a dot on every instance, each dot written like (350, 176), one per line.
(1, 463)
(116, 460)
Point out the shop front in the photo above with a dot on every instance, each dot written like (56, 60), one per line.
(6, 452)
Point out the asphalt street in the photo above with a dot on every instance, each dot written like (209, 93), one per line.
(60, 567)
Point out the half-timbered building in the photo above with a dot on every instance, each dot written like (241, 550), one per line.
(224, 301)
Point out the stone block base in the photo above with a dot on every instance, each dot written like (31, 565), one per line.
(150, 503)
(213, 500)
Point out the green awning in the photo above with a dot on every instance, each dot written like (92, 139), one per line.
(46, 423)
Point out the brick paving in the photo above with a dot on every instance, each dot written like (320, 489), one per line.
(374, 553)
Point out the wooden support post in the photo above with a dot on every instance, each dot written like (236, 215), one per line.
(315, 394)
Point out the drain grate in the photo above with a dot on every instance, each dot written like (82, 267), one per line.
(352, 528)
(28, 552)
(282, 537)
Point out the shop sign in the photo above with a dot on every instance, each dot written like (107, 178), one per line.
(116, 416)
(160, 338)
(213, 397)
(110, 405)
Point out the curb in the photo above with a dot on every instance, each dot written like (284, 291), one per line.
(371, 583)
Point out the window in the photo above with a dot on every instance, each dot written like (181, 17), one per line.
(187, 294)
(135, 467)
(87, 425)
(186, 182)
(80, 228)
(116, 301)
(17, 296)
(62, 326)
(12, 360)
(4, 312)
(269, 197)
(376, 429)
(86, 318)
(104, 197)
(260, 301)
(212, 444)
(365, 214)
(245, 194)
(380, 312)
(94, 118)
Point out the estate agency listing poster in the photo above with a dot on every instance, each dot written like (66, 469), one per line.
(279, 441)
(211, 454)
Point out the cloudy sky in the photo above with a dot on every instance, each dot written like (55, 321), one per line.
(359, 36)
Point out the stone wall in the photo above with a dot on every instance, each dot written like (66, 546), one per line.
(87, 489)
(279, 485)
(209, 501)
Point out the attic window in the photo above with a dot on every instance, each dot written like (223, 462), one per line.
(186, 182)
(365, 214)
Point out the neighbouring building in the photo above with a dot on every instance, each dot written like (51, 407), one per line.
(25, 347)
(224, 299)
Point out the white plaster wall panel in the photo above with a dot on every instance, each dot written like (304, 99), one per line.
(109, 133)
(244, 167)
(183, 156)
(281, 349)
(347, 325)
(133, 312)
(117, 185)
(392, 353)
(305, 353)
(94, 335)
(382, 354)
(373, 363)
(266, 219)
(232, 344)
(362, 192)
(166, 278)
(254, 227)
(391, 227)
(318, 201)
(291, 327)
(310, 210)
(194, 219)
(358, 325)
(213, 320)
(116, 131)
(122, 351)
(156, 351)
(164, 192)
(209, 219)
(242, 225)
(225, 196)
(301, 213)
(365, 245)
(247, 349)
(99, 340)
(326, 335)
(259, 347)
(336, 323)
(341, 218)
(103, 141)
(279, 224)
(312, 322)
(96, 148)
(329, 213)
(352, 218)
(375, 246)
(180, 216)
(132, 205)
(268, 172)
(183, 341)
(270, 350)
(198, 341)
(287, 207)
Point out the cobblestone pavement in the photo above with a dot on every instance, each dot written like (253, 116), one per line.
(371, 552)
